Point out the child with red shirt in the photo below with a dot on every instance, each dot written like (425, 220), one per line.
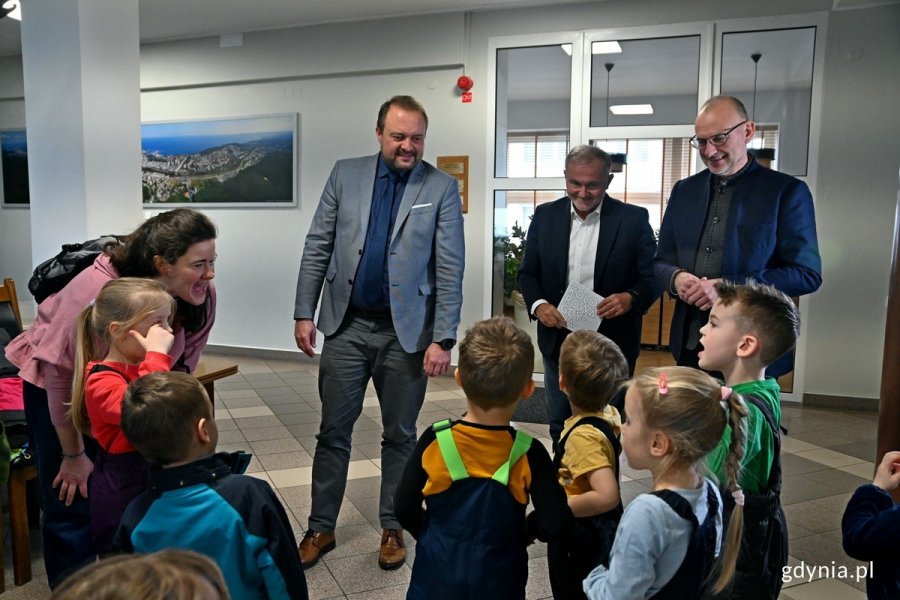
(129, 327)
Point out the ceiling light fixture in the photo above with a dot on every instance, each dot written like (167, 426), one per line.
(606, 48)
(609, 67)
(631, 109)
(755, 57)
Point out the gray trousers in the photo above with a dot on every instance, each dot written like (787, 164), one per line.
(362, 349)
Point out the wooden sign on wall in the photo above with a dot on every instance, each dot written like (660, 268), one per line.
(458, 168)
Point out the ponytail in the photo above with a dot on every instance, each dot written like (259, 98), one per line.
(736, 410)
(85, 351)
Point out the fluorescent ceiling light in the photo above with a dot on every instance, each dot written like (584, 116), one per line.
(597, 48)
(631, 109)
(16, 12)
(606, 48)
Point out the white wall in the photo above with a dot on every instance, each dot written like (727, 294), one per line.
(337, 88)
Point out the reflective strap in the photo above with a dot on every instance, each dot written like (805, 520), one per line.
(451, 456)
(520, 446)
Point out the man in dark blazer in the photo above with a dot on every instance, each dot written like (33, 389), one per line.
(735, 220)
(385, 251)
(600, 242)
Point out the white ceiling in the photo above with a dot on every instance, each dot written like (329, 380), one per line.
(178, 19)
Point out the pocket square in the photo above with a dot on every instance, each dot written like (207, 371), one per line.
(415, 206)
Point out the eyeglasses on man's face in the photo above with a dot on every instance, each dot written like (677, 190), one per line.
(716, 140)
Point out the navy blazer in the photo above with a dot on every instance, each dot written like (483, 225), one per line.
(770, 236)
(624, 261)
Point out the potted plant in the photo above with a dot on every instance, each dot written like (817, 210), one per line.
(513, 247)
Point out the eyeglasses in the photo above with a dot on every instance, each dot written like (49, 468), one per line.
(716, 140)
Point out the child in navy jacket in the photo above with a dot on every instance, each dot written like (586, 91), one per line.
(871, 526)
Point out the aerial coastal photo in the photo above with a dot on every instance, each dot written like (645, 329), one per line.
(229, 161)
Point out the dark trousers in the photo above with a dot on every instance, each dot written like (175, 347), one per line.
(362, 349)
(66, 530)
(116, 481)
(558, 409)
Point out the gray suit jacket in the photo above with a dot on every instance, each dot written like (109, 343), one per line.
(425, 258)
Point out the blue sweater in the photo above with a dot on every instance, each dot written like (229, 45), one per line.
(236, 520)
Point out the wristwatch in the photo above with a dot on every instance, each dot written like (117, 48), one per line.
(446, 343)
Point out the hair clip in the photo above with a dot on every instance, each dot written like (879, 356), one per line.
(663, 384)
(738, 496)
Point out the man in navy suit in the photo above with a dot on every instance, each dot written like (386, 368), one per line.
(385, 251)
(599, 242)
(735, 220)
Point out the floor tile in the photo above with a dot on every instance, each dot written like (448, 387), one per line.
(866, 470)
(791, 444)
(285, 460)
(356, 574)
(291, 477)
(827, 457)
(360, 469)
(272, 433)
(249, 411)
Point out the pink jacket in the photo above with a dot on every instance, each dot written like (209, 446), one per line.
(45, 352)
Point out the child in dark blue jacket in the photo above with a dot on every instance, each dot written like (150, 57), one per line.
(871, 526)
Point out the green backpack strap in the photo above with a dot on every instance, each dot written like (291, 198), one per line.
(449, 452)
(520, 446)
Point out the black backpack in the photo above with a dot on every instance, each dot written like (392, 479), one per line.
(52, 275)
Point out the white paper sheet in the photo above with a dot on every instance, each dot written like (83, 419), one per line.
(579, 307)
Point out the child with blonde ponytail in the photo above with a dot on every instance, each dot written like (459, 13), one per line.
(669, 541)
(126, 332)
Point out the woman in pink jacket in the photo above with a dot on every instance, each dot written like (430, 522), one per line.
(178, 249)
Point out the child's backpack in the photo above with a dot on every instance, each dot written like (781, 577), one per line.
(53, 274)
(594, 535)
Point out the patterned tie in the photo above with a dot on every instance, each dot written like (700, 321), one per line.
(370, 289)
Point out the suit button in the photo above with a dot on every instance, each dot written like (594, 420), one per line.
(708, 249)
(360, 251)
(350, 281)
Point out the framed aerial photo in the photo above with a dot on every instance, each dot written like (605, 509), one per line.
(233, 162)
(14, 164)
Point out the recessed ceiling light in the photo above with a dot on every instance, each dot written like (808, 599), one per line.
(606, 48)
(631, 109)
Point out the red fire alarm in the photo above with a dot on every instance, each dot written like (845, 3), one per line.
(464, 83)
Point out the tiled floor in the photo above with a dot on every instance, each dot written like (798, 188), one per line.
(272, 410)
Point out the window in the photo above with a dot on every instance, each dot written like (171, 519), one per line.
(536, 154)
(533, 109)
(652, 168)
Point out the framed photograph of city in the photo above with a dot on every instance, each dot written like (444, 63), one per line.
(14, 167)
(233, 162)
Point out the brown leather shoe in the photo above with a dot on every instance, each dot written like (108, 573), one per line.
(313, 546)
(393, 549)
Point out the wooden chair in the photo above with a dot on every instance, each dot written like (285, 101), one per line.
(11, 321)
(10, 317)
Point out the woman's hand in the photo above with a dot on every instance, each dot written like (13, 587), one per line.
(73, 476)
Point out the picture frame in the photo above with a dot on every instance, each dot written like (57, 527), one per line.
(232, 162)
(14, 168)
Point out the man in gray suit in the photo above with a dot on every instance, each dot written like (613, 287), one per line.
(386, 243)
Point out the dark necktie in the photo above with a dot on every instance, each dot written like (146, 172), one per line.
(371, 273)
